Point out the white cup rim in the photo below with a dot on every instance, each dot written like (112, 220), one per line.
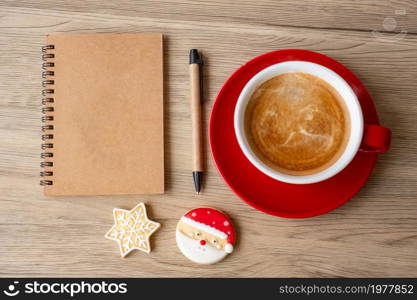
(331, 77)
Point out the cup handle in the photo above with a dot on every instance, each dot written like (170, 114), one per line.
(376, 139)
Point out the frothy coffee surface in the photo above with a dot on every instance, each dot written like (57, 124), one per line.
(297, 123)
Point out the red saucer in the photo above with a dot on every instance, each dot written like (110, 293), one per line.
(267, 194)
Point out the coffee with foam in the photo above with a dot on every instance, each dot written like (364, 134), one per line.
(297, 123)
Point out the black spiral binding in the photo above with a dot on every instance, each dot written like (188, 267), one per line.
(47, 111)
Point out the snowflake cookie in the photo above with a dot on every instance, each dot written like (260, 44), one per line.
(132, 229)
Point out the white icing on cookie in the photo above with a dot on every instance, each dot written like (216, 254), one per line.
(197, 253)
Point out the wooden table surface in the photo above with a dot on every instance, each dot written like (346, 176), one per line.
(375, 234)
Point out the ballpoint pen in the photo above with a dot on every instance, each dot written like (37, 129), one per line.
(196, 62)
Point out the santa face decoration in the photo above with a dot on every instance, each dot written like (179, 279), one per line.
(205, 235)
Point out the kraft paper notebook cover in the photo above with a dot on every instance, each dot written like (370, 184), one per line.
(103, 114)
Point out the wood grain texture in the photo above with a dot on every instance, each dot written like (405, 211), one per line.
(375, 234)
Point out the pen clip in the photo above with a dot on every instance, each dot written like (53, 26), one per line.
(201, 63)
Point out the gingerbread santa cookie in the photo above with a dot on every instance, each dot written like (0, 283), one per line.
(205, 235)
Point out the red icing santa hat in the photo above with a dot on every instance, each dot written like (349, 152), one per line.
(213, 222)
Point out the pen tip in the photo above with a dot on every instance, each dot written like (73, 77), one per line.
(197, 181)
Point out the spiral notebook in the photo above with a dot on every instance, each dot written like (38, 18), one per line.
(103, 114)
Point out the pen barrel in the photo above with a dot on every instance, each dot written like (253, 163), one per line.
(196, 117)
